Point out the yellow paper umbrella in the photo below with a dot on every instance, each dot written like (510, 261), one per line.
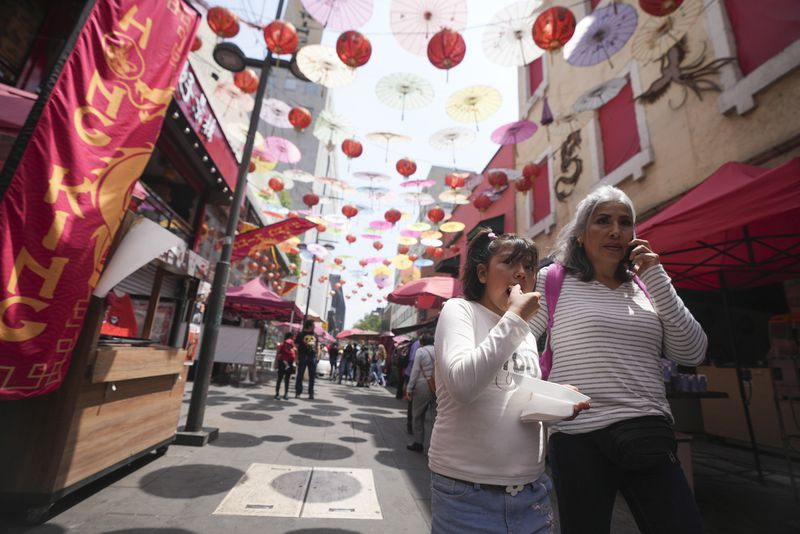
(656, 35)
(419, 226)
(405, 240)
(431, 234)
(402, 262)
(454, 197)
(452, 226)
(474, 104)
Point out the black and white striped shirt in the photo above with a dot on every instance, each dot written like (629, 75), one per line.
(608, 343)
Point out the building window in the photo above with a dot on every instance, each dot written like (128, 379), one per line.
(541, 193)
(617, 120)
(535, 75)
(762, 29)
(594, 3)
(542, 198)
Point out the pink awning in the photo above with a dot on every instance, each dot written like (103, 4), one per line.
(254, 300)
(429, 292)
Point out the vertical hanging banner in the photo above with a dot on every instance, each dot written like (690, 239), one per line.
(75, 179)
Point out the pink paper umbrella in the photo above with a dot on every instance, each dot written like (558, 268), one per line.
(282, 149)
(514, 132)
(339, 14)
(418, 183)
(380, 225)
(409, 233)
(371, 236)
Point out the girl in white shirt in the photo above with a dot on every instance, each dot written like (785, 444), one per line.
(486, 474)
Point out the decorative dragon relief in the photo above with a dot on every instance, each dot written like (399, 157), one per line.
(693, 75)
(565, 185)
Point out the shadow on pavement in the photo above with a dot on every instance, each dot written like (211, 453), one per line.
(323, 531)
(151, 531)
(261, 406)
(320, 451)
(235, 439)
(319, 412)
(346, 485)
(190, 481)
(352, 439)
(247, 416)
(276, 438)
(330, 408)
(378, 411)
(305, 420)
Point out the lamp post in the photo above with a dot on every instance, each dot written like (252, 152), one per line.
(230, 57)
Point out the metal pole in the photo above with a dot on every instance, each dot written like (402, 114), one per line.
(216, 300)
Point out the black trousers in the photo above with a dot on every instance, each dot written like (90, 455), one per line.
(586, 484)
(302, 364)
(285, 375)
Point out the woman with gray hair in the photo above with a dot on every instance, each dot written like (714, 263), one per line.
(607, 331)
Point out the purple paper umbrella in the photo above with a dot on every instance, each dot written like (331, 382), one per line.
(514, 132)
(547, 115)
(282, 149)
(339, 14)
(601, 35)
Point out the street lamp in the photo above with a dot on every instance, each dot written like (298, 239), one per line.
(230, 57)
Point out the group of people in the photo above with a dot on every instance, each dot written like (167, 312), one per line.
(363, 364)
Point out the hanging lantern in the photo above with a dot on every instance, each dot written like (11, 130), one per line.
(262, 269)
(223, 22)
(349, 211)
(338, 261)
(292, 214)
(429, 251)
(392, 215)
(438, 253)
(369, 295)
(321, 228)
(531, 171)
(253, 266)
(446, 49)
(352, 148)
(387, 262)
(454, 249)
(377, 245)
(252, 166)
(275, 284)
(659, 8)
(402, 249)
(406, 167)
(310, 199)
(276, 184)
(361, 284)
(300, 118)
(413, 257)
(353, 49)
(271, 276)
(482, 202)
(196, 44)
(362, 263)
(246, 80)
(553, 28)
(455, 180)
(435, 214)
(497, 179)
(350, 238)
(523, 184)
(281, 37)
(332, 293)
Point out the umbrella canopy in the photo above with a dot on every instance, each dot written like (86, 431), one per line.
(426, 293)
(233, 99)
(599, 95)
(276, 112)
(657, 35)
(600, 35)
(282, 149)
(388, 137)
(296, 327)
(514, 132)
(372, 176)
(339, 14)
(355, 333)
(321, 65)
(414, 22)
(403, 90)
(474, 104)
(451, 138)
(508, 39)
(739, 228)
(254, 300)
(331, 128)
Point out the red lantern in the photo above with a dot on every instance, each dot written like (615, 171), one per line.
(387, 262)
(252, 166)
(377, 245)
(553, 28)
(659, 8)
(321, 228)
(482, 202)
(455, 180)
(369, 294)
(413, 257)
(338, 261)
(223, 22)
(276, 184)
(392, 215)
(310, 200)
(430, 251)
(281, 37)
(292, 214)
(454, 249)
(446, 49)
(531, 171)
(300, 118)
(349, 211)
(246, 80)
(406, 167)
(196, 44)
(253, 266)
(438, 253)
(361, 284)
(352, 148)
(350, 238)
(262, 269)
(402, 249)
(362, 263)
(523, 184)
(353, 48)
(497, 179)
(363, 299)
(435, 214)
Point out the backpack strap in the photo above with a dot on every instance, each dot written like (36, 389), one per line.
(552, 290)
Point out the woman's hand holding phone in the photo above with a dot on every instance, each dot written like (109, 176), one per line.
(640, 256)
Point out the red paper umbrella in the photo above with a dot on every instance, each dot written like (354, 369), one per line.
(392, 215)
(435, 214)
(659, 8)
(402, 249)
(350, 238)
(446, 49)
(246, 80)
(223, 22)
(196, 44)
(531, 171)
(349, 211)
(310, 200)
(352, 148)
(377, 245)
(300, 118)
(553, 28)
(523, 184)
(276, 184)
(406, 167)
(482, 202)
(281, 37)
(353, 48)
(455, 180)
(497, 179)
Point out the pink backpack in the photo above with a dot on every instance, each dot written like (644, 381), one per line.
(552, 290)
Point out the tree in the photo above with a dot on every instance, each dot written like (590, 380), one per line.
(371, 321)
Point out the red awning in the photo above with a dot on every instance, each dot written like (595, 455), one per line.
(739, 228)
(426, 293)
(254, 300)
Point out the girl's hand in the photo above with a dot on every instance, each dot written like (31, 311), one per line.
(523, 304)
(578, 408)
(642, 257)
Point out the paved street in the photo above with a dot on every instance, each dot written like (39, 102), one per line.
(361, 432)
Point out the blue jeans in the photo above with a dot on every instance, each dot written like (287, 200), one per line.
(460, 507)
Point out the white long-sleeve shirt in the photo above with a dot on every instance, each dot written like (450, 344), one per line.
(478, 435)
(608, 342)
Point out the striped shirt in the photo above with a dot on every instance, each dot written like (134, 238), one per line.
(608, 343)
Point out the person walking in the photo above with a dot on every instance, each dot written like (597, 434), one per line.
(421, 391)
(616, 314)
(378, 361)
(412, 351)
(333, 358)
(307, 344)
(286, 354)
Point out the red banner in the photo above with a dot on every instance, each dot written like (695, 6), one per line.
(249, 243)
(75, 180)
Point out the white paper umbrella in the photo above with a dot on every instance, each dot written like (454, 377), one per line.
(452, 138)
(403, 90)
(599, 95)
(298, 175)
(388, 137)
(321, 65)
(508, 39)
(414, 22)
(331, 129)
(656, 35)
(276, 112)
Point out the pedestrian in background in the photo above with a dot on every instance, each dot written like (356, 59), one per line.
(307, 346)
(285, 356)
(421, 391)
(378, 361)
(333, 358)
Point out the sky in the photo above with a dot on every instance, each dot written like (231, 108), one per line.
(360, 105)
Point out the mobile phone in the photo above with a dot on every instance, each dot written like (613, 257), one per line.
(628, 251)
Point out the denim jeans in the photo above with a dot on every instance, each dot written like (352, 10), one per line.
(459, 507)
